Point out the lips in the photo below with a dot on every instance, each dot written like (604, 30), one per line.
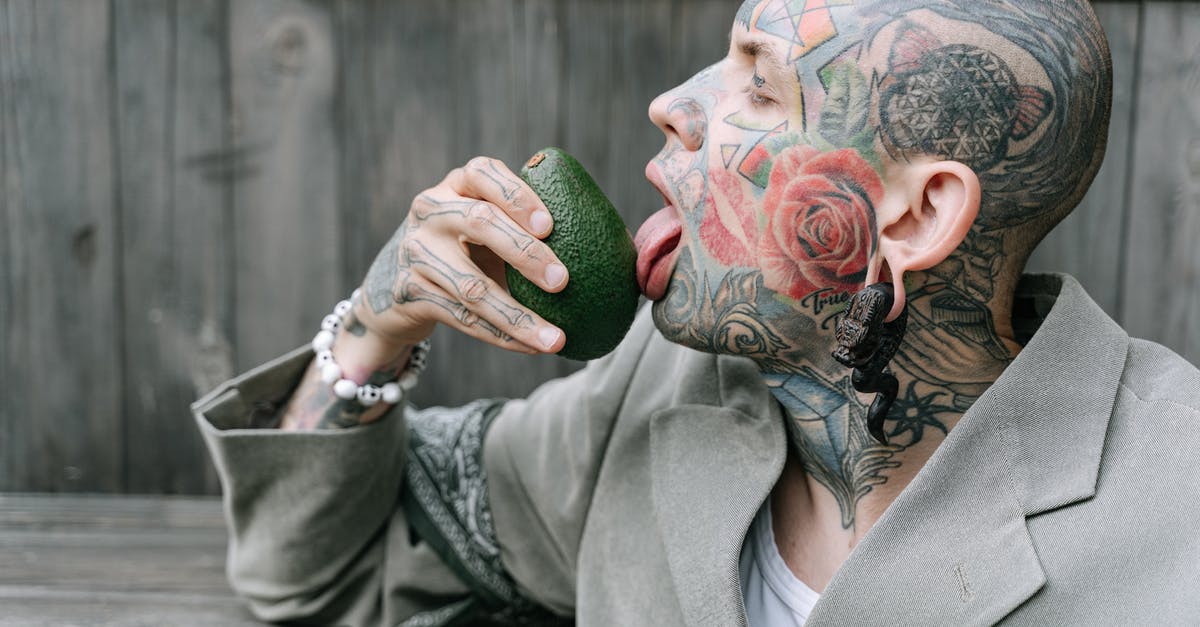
(657, 243)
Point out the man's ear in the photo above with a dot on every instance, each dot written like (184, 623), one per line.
(926, 215)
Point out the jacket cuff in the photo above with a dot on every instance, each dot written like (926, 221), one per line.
(253, 400)
(301, 506)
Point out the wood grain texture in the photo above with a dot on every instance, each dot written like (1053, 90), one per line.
(1162, 277)
(395, 104)
(1087, 244)
(287, 243)
(62, 372)
(699, 32)
(171, 135)
(70, 560)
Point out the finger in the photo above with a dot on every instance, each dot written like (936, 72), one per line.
(484, 224)
(439, 306)
(482, 296)
(489, 179)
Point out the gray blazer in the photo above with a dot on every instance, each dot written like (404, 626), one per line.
(1067, 495)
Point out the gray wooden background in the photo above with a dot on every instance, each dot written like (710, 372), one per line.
(187, 186)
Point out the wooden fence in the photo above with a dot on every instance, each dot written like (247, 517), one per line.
(189, 184)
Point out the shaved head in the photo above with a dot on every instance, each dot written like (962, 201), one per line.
(1019, 90)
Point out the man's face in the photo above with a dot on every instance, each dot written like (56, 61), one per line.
(772, 179)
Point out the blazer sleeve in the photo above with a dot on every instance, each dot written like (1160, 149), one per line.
(543, 456)
(315, 533)
(392, 522)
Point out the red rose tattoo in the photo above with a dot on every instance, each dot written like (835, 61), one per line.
(820, 210)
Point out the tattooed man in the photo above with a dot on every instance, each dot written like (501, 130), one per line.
(717, 468)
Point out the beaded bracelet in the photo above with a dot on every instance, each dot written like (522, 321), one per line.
(331, 373)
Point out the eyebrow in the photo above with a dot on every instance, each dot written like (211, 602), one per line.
(761, 51)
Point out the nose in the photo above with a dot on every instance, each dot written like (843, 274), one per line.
(680, 117)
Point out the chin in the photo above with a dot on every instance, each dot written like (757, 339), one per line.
(736, 316)
(680, 331)
(679, 316)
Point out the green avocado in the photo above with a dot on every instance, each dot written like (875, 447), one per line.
(597, 307)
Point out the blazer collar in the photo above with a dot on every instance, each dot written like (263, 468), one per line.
(953, 548)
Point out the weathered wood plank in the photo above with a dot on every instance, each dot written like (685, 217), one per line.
(170, 131)
(395, 117)
(1087, 243)
(61, 405)
(287, 255)
(539, 38)
(641, 71)
(38, 608)
(114, 561)
(699, 35)
(1162, 276)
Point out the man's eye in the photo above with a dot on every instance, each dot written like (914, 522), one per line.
(756, 92)
(757, 98)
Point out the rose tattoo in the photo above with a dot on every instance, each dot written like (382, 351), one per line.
(820, 210)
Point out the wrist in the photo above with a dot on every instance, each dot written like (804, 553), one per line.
(362, 356)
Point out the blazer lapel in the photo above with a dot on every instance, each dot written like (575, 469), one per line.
(712, 469)
(954, 547)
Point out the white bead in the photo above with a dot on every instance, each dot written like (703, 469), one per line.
(355, 294)
(331, 323)
(342, 308)
(330, 373)
(324, 357)
(392, 393)
(323, 341)
(345, 389)
(368, 395)
(408, 380)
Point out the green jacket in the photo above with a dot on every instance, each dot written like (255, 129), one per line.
(621, 495)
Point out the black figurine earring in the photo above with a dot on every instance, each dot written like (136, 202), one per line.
(866, 343)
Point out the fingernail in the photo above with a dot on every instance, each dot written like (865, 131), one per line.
(556, 273)
(540, 221)
(548, 336)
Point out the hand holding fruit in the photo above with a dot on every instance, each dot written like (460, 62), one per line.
(447, 261)
(446, 264)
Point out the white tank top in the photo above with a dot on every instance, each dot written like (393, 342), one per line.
(773, 595)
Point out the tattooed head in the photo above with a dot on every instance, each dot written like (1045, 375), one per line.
(1019, 91)
(780, 156)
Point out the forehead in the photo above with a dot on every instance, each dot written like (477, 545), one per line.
(801, 34)
(801, 25)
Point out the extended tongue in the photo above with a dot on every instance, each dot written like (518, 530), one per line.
(657, 237)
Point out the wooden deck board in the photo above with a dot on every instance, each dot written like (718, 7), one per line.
(101, 560)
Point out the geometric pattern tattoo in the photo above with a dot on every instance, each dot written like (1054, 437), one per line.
(962, 103)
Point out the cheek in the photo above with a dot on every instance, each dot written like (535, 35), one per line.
(692, 190)
(729, 229)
